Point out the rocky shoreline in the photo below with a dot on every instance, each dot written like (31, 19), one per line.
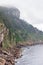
(7, 57)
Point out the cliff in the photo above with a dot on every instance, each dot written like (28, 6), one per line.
(14, 33)
(19, 30)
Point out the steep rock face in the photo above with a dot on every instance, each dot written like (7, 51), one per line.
(10, 11)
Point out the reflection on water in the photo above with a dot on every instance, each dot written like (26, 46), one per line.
(32, 55)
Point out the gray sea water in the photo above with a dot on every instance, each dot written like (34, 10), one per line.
(32, 55)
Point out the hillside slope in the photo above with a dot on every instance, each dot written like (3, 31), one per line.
(19, 30)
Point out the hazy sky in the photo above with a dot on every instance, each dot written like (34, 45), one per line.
(31, 10)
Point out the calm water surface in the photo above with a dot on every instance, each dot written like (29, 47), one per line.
(32, 55)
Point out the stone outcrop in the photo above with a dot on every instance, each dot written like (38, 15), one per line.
(2, 61)
(8, 56)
